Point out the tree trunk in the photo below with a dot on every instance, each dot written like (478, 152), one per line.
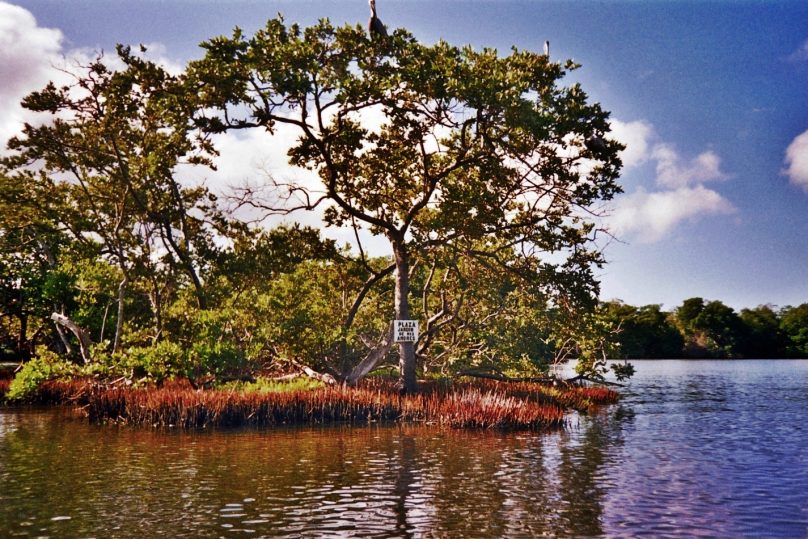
(23, 350)
(119, 322)
(80, 333)
(371, 360)
(157, 309)
(188, 264)
(406, 350)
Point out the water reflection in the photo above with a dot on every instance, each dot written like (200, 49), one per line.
(65, 478)
(708, 451)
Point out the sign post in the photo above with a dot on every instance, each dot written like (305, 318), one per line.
(405, 331)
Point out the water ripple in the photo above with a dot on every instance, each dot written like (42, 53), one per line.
(696, 449)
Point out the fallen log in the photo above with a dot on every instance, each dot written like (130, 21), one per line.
(592, 380)
(311, 373)
(503, 378)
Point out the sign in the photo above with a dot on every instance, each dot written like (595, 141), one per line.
(405, 330)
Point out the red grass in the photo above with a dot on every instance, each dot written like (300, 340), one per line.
(483, 404)
(4, 383)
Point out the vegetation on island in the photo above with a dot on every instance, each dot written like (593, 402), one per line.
(477, 404)
(484, 173)
(706, 329)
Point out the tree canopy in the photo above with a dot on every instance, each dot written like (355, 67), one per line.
(486, 174)
(477, 155)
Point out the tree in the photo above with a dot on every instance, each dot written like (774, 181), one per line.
(711, 329)
(32, 285)
(644, 332)
(762, 335)
(481, 154)
(687, 313)
(108, 156)
(794, 323)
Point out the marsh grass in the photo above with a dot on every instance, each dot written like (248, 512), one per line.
(479, 405)
(265, 385)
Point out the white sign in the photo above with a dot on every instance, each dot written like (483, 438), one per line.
(405, 331)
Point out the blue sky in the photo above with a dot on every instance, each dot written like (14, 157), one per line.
(711, 97)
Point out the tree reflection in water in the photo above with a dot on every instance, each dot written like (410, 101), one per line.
(394, 480)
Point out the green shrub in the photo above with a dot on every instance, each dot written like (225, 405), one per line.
(165, 359)
(217, 359)
(46, 365)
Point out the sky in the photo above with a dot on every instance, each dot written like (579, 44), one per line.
(710, 97)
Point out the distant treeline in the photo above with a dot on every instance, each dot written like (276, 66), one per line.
(708, 329)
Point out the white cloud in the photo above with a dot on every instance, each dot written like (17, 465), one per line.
(157, 53)
(676, 192)
(649, 217)
(797, 161)
(255, 158)
(24, 49)
(674, 171)
(26, 54)
(801, 54)
(31, 56)
(636, 136)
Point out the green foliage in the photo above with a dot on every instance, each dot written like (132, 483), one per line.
(477, 153)
(44, 366)
(700, 328)
(161, 361)
(622, 371)
(763, 337)
(794, 324)
(259, 256)
(206, 339)
(687, 313)
(590, 338)
(643, 332)
(480, 176)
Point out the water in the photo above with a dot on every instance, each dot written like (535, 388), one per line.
(699, 448)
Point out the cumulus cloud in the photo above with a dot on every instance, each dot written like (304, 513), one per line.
(672, 169)
(676, 192)
(31, 56)
(256, 159)
(651, 216)
(26, 54)
(797, 161)
(675, 171)
(636, 137)
(24, 49)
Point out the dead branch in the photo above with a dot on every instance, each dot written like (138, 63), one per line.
(372, 359)
(80, 333)
(311, 373)
(592, 380)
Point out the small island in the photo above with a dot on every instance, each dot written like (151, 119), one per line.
(314, 278)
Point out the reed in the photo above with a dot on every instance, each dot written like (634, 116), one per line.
(477, 404)
(4, 383)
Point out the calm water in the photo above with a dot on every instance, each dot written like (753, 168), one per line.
(695, 449)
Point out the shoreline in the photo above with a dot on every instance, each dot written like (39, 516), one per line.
(464, 405)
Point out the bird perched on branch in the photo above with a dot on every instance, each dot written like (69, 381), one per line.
(375, 26)
(596, 144)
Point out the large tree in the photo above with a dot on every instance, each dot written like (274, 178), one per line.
(107, 157)
(483, 154)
